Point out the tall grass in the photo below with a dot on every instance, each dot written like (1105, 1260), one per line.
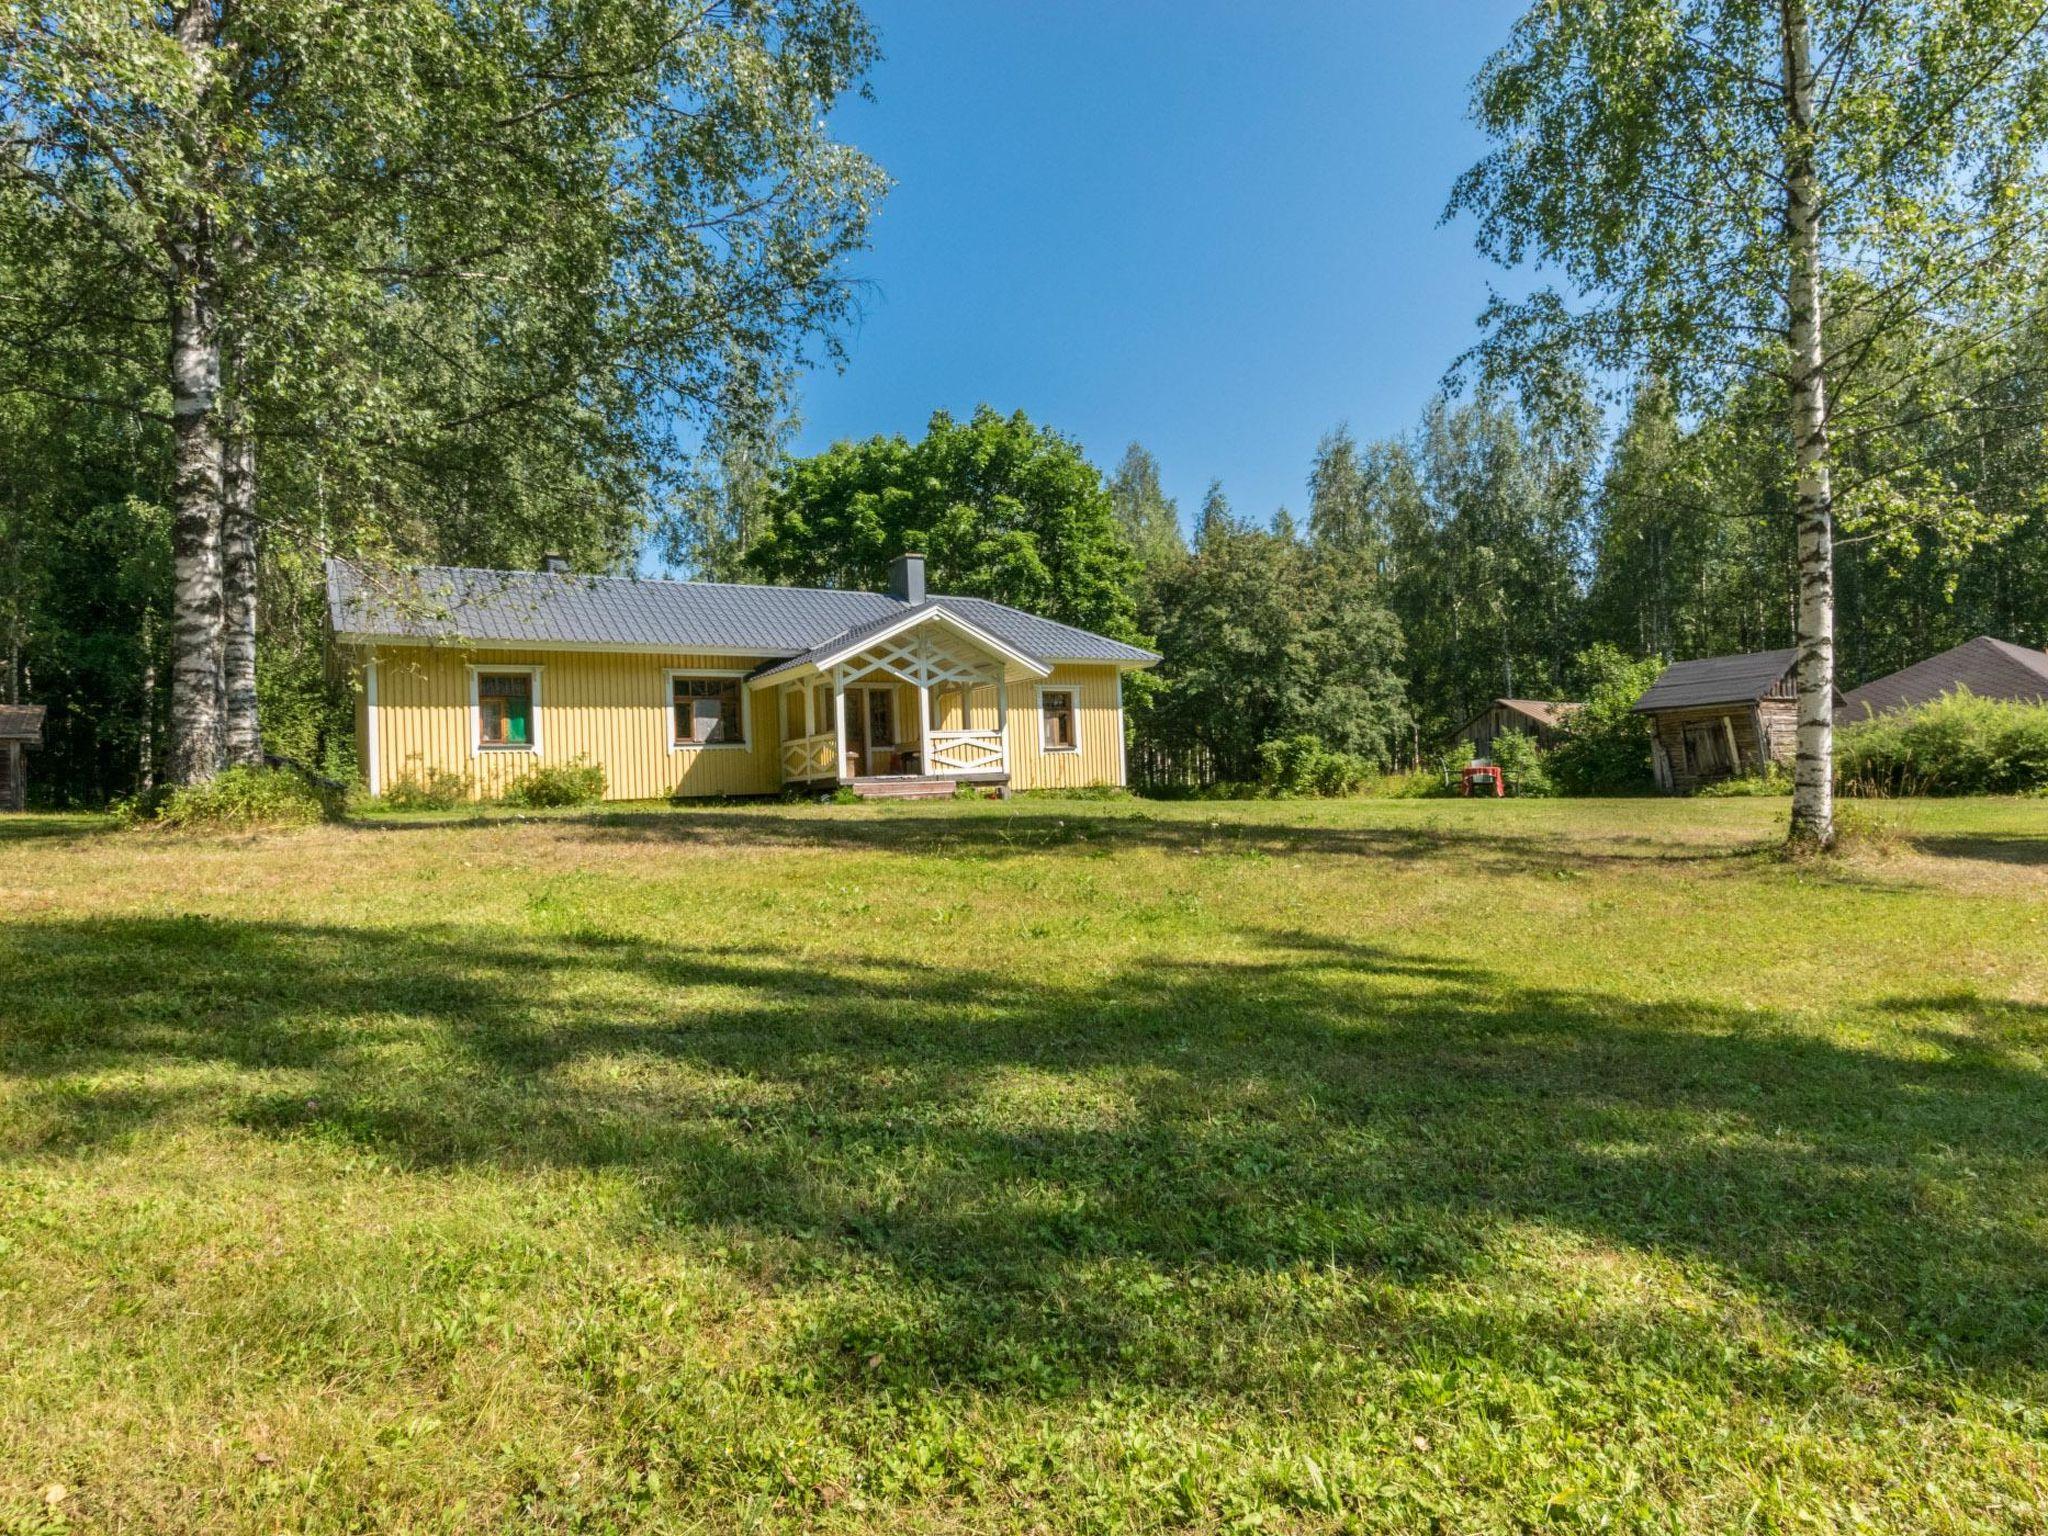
(1959, 745)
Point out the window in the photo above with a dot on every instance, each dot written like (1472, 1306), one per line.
(1057, 727)
(504, 711)
(707, 712)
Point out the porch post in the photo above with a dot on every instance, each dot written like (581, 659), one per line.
(1003, 717)
(839, 723)
(924, 727)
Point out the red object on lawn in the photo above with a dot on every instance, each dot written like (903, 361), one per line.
(1483, 773)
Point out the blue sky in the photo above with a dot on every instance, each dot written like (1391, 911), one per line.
(1208, 227)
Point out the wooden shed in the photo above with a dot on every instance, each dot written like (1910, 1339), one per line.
(21, 727)
(1722, 716)
(1988, 668)
(1540, 718)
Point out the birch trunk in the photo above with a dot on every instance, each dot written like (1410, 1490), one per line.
(195, 712)
(242, 733)
(1813, 806)
(195, 691)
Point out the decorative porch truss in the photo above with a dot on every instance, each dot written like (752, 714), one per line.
(949, 662)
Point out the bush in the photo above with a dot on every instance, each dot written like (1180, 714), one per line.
(242, 799)
(437, 789)
(1408, 786)
(1774, 780)
(1301, 765)
(577, 783)
(1521, 763)
(1603, 746)
(1450, 762)
(1958, 745)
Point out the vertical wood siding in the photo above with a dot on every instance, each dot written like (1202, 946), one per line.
(612, 709)
(1098, 722)
(606, 708)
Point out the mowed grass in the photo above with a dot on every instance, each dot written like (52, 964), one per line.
(1051, 1166)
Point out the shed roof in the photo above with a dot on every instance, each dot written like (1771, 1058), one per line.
(543, 608)
(1550, 712)
(1717, 680)
(1991, 669)
(22, 722)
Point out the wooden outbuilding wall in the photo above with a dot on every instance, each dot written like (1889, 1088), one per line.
(1696, 746)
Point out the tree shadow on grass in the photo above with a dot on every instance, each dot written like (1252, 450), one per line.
(1012, 1152)
(1989, 847)
(17, 827)
(1082, 829)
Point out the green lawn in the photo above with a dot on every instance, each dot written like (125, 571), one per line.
(1058, 1165)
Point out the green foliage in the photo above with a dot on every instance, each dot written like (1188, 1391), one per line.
(435, 789)
(1301, 765)
(242, 799)
(1604, 745)
(1485, 509)
(1773, 781)
(557, 784)
(1521, 763)
(1423, 784)
(1148, 516)
(1264, 637)
(1000, 508)
(1958, 745)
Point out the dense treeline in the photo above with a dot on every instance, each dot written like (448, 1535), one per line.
(1497, 551)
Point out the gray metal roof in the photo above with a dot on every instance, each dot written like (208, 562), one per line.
(1718, 680)
(1047, 639)
(540, 608)
(1991, 669)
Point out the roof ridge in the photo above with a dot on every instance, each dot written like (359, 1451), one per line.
(639, 580)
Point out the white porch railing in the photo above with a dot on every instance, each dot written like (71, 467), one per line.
(966, 752)
(810, 757)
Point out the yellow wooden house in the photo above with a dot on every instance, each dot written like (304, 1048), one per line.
(680, 688)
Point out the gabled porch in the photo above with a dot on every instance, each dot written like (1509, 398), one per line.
(915, 706)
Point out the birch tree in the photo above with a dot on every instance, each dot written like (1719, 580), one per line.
(1777, 186)
(350, 230)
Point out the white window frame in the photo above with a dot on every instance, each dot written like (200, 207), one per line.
(478, 747)
(1073, 692)
(668, 709)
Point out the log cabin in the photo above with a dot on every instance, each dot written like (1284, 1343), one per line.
(1541, 718)
(21, 727)
(1722, 716)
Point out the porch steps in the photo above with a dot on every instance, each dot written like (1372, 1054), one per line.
(920, 786)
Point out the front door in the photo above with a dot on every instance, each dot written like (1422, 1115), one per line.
(1706, 748)
(880, 735)
(871, 729)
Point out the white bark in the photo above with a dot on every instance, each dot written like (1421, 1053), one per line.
(1813, 807)
(195, 529)
(242, 734)
(196, 692)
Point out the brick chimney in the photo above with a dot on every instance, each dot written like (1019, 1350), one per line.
(554, 564)
(906, 578)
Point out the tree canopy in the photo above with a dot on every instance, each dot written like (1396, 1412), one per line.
(999, 507)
